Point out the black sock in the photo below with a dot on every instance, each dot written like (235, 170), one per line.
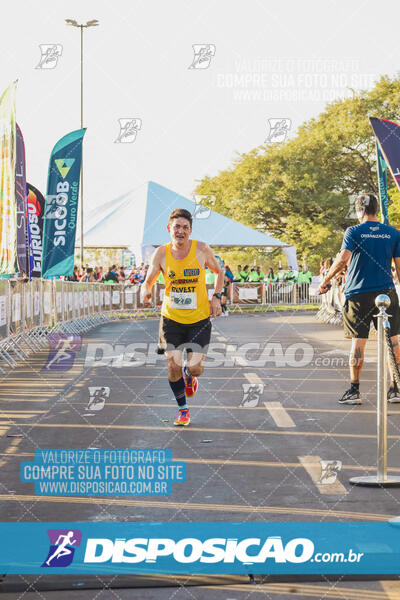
(187, 372)
(355, 386)
(178, 388)
(394, 386)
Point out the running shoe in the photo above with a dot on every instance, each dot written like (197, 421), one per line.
(350, 397)
(393, 395)
(184, 417)
(191, 385)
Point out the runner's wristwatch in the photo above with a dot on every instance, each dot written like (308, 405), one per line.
(217, 295)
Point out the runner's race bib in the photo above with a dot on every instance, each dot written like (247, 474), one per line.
(187, 300)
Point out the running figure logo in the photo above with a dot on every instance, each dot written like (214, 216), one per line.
(201, 211)
(128, 129)
(63, 348)
(62, 547)
(251, 394)
(50, 54)
(97, 399)
(203, 54)
(329, 471)
(351, 213)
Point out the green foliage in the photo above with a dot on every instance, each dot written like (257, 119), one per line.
(300, 191)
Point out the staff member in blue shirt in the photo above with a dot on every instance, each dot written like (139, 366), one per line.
(369, 248)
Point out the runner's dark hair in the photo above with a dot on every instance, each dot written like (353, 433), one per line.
(180, 212)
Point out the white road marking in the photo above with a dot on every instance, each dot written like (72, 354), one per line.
(253, 378)
(312, 465)
(279, 414)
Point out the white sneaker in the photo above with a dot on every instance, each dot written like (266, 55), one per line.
(393, 396)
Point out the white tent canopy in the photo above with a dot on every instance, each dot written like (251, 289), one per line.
(139, 219)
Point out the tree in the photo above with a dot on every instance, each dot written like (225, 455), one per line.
(301, 190)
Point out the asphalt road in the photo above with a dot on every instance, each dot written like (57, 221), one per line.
(252, 455)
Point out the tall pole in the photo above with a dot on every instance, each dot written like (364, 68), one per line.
(92, 23)
(81, 28)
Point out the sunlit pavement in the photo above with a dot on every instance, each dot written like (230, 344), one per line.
(281, 452)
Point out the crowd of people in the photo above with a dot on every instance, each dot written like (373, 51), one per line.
(114, 274)
(245, 274)
(254, 274)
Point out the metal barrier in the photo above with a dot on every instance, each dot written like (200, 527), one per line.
(261, 295)
(32, 311)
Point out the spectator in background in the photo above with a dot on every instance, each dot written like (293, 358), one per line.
(304, 278)
(304, 275)
(290, 275)
(134, 277)
(394, 275)
(260, 274)
(253, 275)
(328, 262)
(75, 274)
(90, 275)
(111, 275)
(280, 276)
(238, 276)
(100, 274)
(210, 277)
(270, 278)
(121, 274)
(244, 273)
(229, 274)
(228, 278)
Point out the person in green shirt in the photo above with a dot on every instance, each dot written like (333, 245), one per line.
(270, 278)
(304, 276)
(280, 276)
(304, 279)
(244, 273)
(290, 275)
(238, 276)
(210, 276)
(160, 278)
(253, 276)
(260, 274)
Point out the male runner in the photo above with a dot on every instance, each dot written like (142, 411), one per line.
(185, 313)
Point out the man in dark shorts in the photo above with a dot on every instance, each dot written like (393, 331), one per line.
(185, 313)
(369, 248)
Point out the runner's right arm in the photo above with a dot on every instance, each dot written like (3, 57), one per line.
(152, 274)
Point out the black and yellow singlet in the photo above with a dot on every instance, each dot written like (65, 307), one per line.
(186, 297)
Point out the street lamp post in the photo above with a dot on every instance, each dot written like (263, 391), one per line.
(73, 23)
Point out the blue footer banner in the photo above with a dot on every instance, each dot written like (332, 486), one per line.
(207, 548)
